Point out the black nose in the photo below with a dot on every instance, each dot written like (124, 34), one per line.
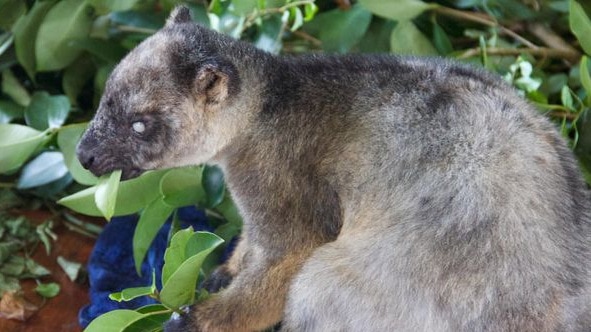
(86, 158)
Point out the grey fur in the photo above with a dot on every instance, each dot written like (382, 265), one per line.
(379, 193)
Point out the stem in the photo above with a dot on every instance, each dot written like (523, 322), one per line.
(267, 11)
(129, 28)
(538, 51)
(7, 185)
(477, 18)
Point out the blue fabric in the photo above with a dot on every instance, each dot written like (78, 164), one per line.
(111, 267)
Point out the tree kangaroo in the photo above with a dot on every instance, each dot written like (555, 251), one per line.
(379, 193)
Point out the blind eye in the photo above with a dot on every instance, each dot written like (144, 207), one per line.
(138, 127)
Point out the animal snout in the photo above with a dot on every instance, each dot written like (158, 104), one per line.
(85, 157)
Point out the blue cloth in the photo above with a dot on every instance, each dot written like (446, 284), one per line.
(111, 267)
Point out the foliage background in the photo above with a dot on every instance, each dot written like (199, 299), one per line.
(56, 55)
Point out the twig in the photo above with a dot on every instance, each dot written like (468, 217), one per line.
(305, 36)
(129, 28)
(538, 51)
(551, 39)
(484, 20)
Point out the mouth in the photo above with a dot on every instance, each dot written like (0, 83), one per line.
(127, 173)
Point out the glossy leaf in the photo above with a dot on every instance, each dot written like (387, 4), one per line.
(585, 78)
(104, 50)
(441, 40)
(13, 88)
(25, 31)
(129, 294)
(105, 196)
(213, 183)
(399, 10)
(105, 6)
(48, 290)
(47, 111)
(68, 20)
(17, 144)
(113, 321)
(580, 25)
(72, 269)
(179, 289)
(67, 139)
(47, 167)
(407, 39)
(76, 76)
(174, 255)
(10, 111)
(133, 195)
(182, 186)
(152, 322)
(200, 242)
(151, 220)
(11, 11)
(340, 30)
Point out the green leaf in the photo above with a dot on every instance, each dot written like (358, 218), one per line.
(72, 269)
(13, 88)
(113, 321)
(399, 10)
(133, 195)
(200, 242)
(76, 76)
(17, 144)
(585, 78)
(340, 30)
(151, 308)
(34, 269)
(131, 293)
(47, 111)
(45, 168)
(233, 226)
(6, 40)
(377, 37)
(152, 322)
(106, 6)
(407, 39)
(141, 19)
(25, 35)
(10, 111)
(179, 289)
(44, 232)
(67, 139)
(441, 40)
(566, 98)
(66, 21)
(310, 10)
(48, 290)
(213, 183)
(182, 186)
(244, 7)
(11, 10)
(580, 25)
(174, 255)
(105, 50)
(8, 284)
(105, 196)
(151, 220)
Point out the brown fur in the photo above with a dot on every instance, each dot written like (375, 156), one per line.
(378, 193)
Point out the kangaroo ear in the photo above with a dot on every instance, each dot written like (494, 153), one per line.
(216, 82)
(180, 14)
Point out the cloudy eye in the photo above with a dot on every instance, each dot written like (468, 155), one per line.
(138, 127)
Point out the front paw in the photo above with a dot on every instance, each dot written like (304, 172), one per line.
(219, 278)
(180, 323)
